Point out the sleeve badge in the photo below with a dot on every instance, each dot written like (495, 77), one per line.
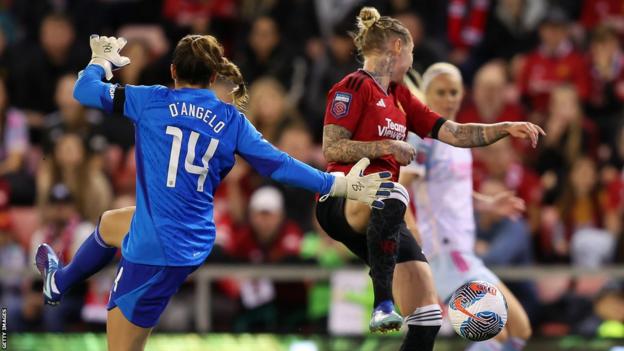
(340, 105)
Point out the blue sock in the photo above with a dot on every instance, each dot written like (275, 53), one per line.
(92, 256)
(387, 306)
(514, 344)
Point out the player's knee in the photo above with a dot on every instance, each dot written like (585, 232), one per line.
(525, 332)
(503, 336)
(114, 225)
(428, 294)
(424, 279)
(105, 227)
(395, 205)
(520, 326)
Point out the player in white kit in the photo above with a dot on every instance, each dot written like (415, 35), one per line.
(441, 179)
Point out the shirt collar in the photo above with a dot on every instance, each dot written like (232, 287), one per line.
(375, 80)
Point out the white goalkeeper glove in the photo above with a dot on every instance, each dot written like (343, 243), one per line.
(105, 53)
(365, 188)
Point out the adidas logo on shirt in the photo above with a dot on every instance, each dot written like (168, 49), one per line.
(381, 103)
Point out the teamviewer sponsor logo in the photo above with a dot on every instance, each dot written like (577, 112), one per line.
(392, 130)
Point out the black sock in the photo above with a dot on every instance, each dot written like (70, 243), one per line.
(423, 326)
(420, 338)
(382, 239)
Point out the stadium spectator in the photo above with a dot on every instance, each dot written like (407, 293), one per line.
(34, 69)
(465, 27)
(425, 52)
(568, 134)
(153, 51)
(609, 308)
(14, 147)
(603, 12)
(122, 172)
(268, 108)
(612, 176)
(297, 21)
(331, 12)
(4, 45)
(554, 62)
(326, 68)
(71, 117)
(511, 28)
(71, 165)
(489, 102)
(265, 55)
(296, 140)
(501, 241)
(239, 184)
(500, 161)
(13, 261)
(200, 16)
(318, 248)
(581, 206)
(139, 54)
(268, 238)
(607, 78)
(592, 248)
(64, 229)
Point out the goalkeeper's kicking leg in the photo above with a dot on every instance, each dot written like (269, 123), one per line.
(95, 253)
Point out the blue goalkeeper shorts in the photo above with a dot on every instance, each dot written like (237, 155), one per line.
(142, 291)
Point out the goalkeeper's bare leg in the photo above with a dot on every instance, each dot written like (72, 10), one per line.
(122, 335)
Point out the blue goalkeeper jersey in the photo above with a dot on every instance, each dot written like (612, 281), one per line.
(186, 140)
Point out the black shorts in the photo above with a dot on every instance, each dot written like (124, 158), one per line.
(331, 216)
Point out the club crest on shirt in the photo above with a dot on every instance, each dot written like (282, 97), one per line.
(340, 105)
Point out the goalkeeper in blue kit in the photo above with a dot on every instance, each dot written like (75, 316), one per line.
(186, 140)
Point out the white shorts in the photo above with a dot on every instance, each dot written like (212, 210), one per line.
(452, 269)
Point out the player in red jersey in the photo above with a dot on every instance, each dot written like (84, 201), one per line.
(368, 114)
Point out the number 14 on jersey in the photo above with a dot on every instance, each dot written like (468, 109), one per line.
(174, 157)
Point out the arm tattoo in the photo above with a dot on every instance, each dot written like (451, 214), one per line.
(475, 134)
(338, 146)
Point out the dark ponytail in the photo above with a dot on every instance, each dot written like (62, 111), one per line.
(198, 58)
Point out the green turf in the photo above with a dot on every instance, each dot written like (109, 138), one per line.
(268, 342)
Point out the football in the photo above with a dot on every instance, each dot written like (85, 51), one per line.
(478, 311)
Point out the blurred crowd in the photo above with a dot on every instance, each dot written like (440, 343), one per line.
(556, 63)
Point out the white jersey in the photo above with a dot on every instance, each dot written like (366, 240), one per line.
(443, 196)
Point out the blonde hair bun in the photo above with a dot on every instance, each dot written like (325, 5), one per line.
(367, 17)
(374, 31)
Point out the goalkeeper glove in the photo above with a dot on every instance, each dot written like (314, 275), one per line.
(365, 188)
(105, 53)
